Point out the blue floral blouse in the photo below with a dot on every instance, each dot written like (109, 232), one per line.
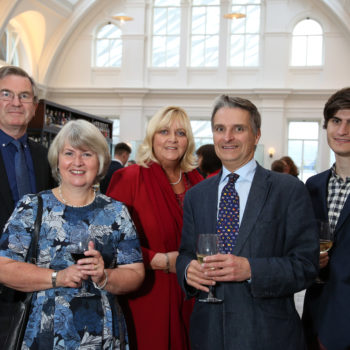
(63, 318)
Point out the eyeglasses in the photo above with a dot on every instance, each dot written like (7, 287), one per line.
(24, 97)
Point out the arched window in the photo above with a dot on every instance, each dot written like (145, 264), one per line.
(8, 46)
(108, 46)
(245, 33)
(166, 33)
(307, 44)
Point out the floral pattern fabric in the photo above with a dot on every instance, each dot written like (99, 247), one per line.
(62, 318)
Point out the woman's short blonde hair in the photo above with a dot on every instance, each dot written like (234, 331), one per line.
(80, 134)
(164, 118)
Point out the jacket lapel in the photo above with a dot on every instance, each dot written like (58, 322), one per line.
(344, 214)
(212, 204)
(5, 191)
(323, 195)
(257, 196)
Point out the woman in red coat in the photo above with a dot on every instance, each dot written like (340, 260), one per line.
(154, 190)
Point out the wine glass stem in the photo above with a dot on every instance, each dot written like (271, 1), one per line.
(211, 292)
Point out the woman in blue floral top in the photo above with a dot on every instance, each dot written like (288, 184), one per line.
(65, 315)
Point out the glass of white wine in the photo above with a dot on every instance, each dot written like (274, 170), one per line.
(207, 244)
(326, 240)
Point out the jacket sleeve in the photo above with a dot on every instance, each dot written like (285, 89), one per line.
(186, 250)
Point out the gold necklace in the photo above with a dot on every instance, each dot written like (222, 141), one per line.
(178, 181)
(71, 205)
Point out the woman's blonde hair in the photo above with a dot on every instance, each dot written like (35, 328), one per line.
(164, 118)
(80, 134)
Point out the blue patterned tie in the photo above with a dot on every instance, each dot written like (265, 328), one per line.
(227, 225)
(22, 174)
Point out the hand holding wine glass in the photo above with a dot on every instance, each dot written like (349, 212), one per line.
(207, 244)
(79, 240)
(326, 240)
(326, 236)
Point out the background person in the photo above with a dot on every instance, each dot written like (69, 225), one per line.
(18, 102)
(327, 306)
(268, 252)
(121, 155)
(154, 190)
(279, 166)
(208, 162)
(62, 318)
(291, 168)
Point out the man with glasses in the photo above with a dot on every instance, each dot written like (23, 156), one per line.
(23, 163)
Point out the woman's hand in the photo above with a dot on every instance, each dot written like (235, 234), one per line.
(93, 265)
(160, 261)
(71, 277)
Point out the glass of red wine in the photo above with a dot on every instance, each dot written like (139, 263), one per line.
(79, 243)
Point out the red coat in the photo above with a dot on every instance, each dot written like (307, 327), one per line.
(157, 314)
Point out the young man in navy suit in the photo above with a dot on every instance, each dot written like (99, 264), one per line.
(326, 313)
(274, 255)
(18, 102)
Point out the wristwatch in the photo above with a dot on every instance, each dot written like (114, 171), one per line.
(54, 278)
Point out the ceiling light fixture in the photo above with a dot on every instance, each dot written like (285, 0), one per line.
(234, 15)
(122, 17)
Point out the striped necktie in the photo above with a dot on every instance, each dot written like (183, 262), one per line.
(227, 225)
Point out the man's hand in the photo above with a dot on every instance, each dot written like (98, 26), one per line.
(324, 258)
(196, 277)
(226, 268)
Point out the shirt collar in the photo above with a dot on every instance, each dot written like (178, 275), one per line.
(5, 139)
(336, 177)
(117, 160)
(246, 172)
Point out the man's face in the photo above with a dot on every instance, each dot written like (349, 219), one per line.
(338, 133)
(16, 115)
(233, 136)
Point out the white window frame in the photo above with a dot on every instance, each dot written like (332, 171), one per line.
(243, 7)
(207, 36)
(167, 37)
(201, 126)
(302, 175)
(109, 47)
(11, 50)
(306, 52)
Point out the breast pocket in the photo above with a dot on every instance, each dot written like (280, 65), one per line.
(267, 238)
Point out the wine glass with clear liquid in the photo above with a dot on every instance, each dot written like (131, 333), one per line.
(207, 244)
(79, 243)
(326, 240)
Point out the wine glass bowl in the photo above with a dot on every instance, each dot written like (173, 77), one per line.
(207, 244)
(326, 236)
(326, 240)
(79, 243)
